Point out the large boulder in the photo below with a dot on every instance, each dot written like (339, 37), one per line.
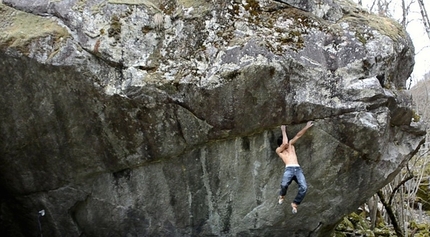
(160, 118)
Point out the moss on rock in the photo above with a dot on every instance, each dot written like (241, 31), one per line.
(19, 29)
(383, 25)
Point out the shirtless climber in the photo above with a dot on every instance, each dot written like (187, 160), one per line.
(287, 153)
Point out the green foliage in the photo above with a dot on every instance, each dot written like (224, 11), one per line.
(359, 224)
(416, 117)
(423, 192)
(339, 234)
(420, 229)
(423, 195)
(345, 226)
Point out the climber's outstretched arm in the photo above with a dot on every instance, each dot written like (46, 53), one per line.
(301, 132)
(284, 144)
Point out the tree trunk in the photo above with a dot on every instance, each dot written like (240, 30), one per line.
(425, 18)
(404, 14)
(391, 214)
(373, 210)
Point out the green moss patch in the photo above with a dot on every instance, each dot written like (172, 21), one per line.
(20, 28)
(383, 25)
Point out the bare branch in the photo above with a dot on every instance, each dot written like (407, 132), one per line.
(404, 14)
(391, 214)
(425, 18)
(393, 193)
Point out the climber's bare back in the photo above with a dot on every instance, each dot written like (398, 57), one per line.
(289, 156)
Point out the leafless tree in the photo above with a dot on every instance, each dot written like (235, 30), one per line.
(425, 17)
(382, 8)
(404, 14)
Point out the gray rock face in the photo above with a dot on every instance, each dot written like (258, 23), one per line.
(160, 118)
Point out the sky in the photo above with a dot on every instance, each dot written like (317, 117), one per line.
(416, 30)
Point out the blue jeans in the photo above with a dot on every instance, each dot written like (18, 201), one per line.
(296, 174)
